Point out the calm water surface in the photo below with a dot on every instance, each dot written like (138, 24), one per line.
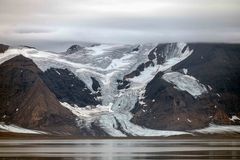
(120, 149)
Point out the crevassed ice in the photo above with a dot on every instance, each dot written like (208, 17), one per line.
(174, 57)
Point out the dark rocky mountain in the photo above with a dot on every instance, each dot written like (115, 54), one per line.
(168, 108)
(3, 48)
(216, 66)
(74, 48)
(136, 49)
(25, 100)
(69, 88)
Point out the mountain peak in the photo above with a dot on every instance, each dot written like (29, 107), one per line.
(74, 48)
(21, 62)
(26, 101)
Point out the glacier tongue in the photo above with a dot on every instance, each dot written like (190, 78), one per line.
(125, 102)
(119, 120)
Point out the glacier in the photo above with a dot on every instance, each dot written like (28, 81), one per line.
(108, 63)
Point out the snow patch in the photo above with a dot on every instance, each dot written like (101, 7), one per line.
(185, 71)
(58, 72)
(185, 83)
(209, 87)
(16, 129)
(212, 129)
(234, 118)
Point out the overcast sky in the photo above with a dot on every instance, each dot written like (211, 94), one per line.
(55, 24)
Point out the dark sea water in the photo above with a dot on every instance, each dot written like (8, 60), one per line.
(120, 149)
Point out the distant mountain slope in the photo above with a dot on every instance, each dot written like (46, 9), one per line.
(26, 101)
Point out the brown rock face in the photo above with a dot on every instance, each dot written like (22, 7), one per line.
(221, 117)
(26, 101)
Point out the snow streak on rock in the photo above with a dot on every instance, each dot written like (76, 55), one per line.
(213, 129)
(16, 129)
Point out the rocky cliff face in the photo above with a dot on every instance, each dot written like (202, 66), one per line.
(25, 100)
(69, 88)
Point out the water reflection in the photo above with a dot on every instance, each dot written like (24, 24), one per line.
(119, 149)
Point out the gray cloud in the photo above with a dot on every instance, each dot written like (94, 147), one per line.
(27, 30)
(55, 24)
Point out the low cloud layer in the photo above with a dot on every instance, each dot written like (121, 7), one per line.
(54, 24)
